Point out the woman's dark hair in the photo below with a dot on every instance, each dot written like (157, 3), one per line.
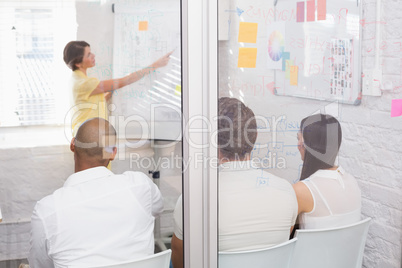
(74, 53)
(322, 137)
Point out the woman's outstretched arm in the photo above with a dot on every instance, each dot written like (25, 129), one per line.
(112, 84)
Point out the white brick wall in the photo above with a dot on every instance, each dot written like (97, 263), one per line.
(371, 148)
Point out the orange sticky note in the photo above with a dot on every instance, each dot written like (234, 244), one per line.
(248, 32)
(178, 90)
(247, 57)
(143, 26)
(294, 70)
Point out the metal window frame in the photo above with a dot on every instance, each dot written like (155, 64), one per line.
(200, 96)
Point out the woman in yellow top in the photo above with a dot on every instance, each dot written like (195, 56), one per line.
(90, 94)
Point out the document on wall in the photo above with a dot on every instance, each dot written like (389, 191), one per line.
(340, 67)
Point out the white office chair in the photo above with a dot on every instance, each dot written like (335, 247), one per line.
(158, 260)
(273, 257)
(331, 248)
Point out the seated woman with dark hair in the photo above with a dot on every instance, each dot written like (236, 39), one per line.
(327, 195)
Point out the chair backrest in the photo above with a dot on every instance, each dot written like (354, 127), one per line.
(158, 260)
(277, 256)
(331, 248)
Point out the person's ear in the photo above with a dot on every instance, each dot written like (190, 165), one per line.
(113, 155)
(72, 145)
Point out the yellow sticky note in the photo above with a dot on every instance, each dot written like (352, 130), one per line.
(294, 70)
(287, 71)
(178, 90)
(143, 25)
(248, 32)
(247, 57)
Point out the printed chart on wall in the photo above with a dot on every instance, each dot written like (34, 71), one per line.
(314, 47)
(141, 37)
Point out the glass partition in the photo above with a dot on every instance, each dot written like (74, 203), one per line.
(282, 64)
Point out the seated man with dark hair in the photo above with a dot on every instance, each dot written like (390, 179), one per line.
(97, 217)
(252, 214)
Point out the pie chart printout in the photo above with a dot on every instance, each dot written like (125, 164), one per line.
(276, 45)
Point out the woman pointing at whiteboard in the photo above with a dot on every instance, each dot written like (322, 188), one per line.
(90, 94)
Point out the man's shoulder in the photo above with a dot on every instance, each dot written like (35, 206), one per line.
(135, 177)
(277, 178)
(278, 183)
(46, 205)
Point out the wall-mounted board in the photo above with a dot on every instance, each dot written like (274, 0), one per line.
(316, 45)
(151, 106)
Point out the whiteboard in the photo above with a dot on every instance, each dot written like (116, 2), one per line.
(327, 52)
(150, 107)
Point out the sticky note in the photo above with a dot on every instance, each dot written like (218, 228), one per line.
(310, 10)
(143, 25)
(396, 107)
(178, 90)
(321, 9)
(288, 64)
(300, 12)
(285, 56)
(247, 57)
(248, 32)
(294, 70)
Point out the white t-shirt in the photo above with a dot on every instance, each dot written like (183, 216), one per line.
(337, 200)
(96, 218)
(256, 208)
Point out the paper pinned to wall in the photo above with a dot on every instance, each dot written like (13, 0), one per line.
(178, 90)
(300, 12)
(276, 45)
(294, 70)
(396, 107)
(310, 10)
(248, 32)
(321, 9)
(143, 25)
(285, 57)
(247, 57)
(287, 72)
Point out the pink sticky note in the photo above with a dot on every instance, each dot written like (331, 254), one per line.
(321, 9)
(396, 107)
(300, 12)
(310, 10)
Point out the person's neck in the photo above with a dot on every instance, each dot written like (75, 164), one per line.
(83, 166)
(83, 70)
(333, 168)
(225, 160)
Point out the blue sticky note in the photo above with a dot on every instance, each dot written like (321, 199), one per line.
(285, 56)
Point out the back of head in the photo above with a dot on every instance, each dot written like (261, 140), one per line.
(322, 137)
(74, 53)
(95, 142)
(237, 129)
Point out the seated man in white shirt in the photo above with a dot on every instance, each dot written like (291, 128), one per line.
(256, 209)
(97, 217)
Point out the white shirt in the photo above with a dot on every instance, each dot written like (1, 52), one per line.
(337, 200)
(96, 218)
(256, 208)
